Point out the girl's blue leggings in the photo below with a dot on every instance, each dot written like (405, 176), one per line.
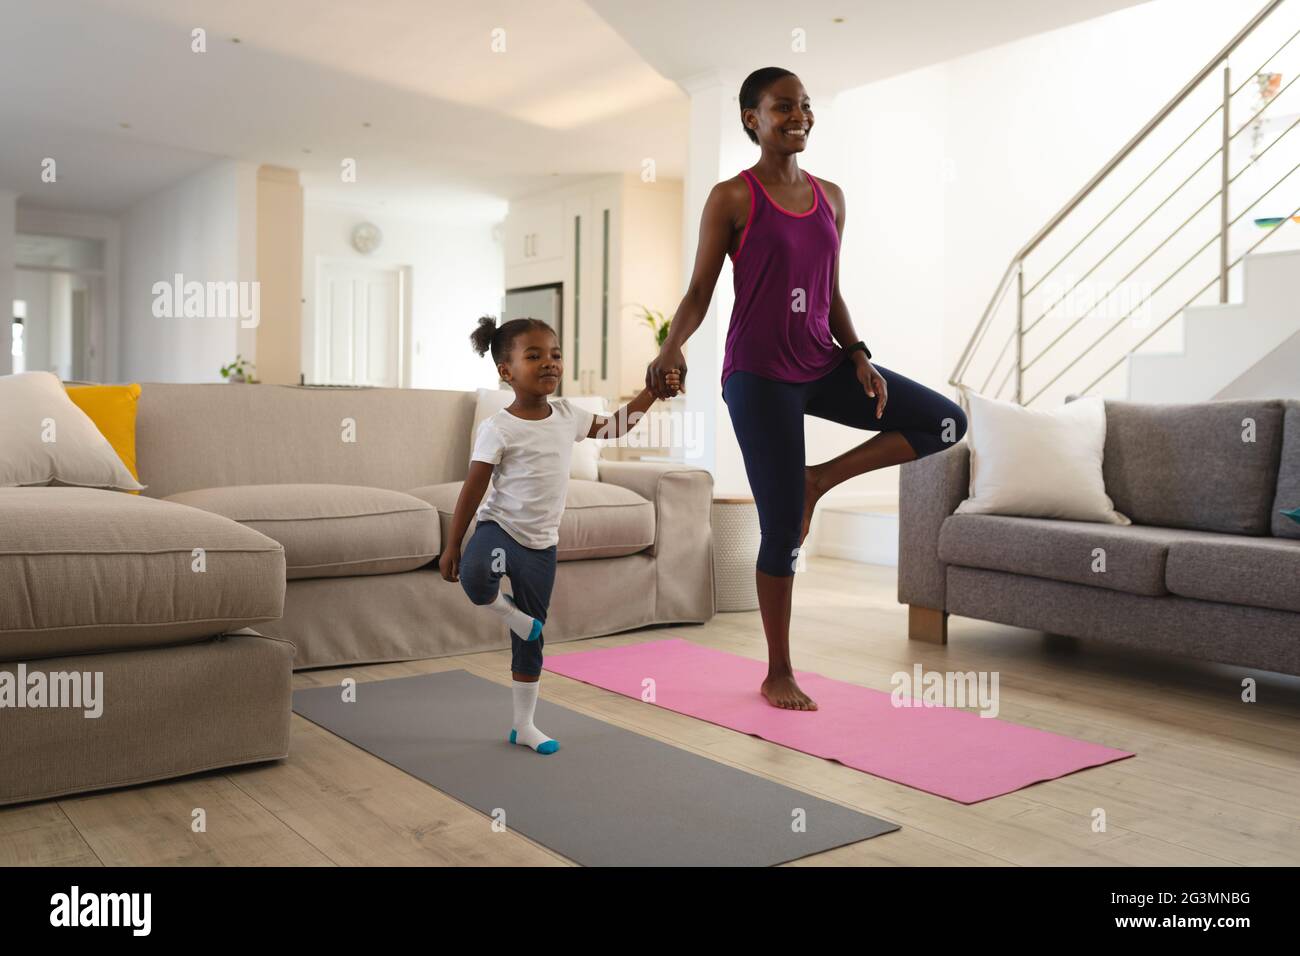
(493, 552)
(767, 416)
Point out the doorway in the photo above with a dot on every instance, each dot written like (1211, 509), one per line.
(361, 325)
(58, 309)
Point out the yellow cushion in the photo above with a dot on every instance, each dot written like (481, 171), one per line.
(112, 408)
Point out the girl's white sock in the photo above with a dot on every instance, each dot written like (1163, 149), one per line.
(525, 625)
(524, 732)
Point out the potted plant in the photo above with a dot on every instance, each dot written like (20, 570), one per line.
(238, 371)
(658, 324)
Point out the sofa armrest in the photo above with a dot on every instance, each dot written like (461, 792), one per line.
(683, 545)
(929, 490)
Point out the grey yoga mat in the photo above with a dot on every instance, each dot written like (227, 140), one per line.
(607, 797)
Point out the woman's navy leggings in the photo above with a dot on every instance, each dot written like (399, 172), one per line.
(768, 419)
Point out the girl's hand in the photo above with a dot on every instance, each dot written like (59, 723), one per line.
(874, 383)
(673, 381)
(449, 563)
(657, 371)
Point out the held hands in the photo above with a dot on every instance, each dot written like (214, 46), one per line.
(669, 361)
(872, 381)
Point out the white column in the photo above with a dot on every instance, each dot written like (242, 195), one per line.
(245, 255)
(8, 280)
(717, 149)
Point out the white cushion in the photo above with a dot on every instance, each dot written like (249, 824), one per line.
(586, 453)
(46, 439)
(1038, 463)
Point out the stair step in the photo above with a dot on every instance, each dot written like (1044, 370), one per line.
(1223, 341)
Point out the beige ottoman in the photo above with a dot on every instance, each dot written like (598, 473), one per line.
(136, 613)
(89, 571)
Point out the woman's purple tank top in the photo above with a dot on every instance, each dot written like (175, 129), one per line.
(784, 277)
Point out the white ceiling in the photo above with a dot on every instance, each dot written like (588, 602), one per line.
(873, 40)
(580, 88)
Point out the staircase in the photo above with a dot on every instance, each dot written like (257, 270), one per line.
(1220, 310)
(1222, 341)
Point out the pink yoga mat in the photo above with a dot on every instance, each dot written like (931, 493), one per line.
(942, 750)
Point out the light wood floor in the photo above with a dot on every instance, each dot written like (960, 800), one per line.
(1215, 781)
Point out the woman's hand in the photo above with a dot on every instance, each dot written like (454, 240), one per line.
(449, 563)
(874, 383)
(656, 373)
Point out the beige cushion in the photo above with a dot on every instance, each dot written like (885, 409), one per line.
(600, 520)
(215, 435)
(46, 439)
(85, 570)
(330, 531)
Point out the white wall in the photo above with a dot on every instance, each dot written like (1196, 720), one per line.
(457, 274)
(884, 147)
(1273, 377)
(60, 323)
(205, 228)
(103, 253)
(8, 281)
(34, 289)
(949, 170)
(1029, 123)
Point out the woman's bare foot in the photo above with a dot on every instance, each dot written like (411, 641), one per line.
(811, 493)
(782, 691)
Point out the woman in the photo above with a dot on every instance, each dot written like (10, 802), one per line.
(782, 229)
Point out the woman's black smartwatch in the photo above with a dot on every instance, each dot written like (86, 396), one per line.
(859, 344)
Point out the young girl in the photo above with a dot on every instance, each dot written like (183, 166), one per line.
(525, 449)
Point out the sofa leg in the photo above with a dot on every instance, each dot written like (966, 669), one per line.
(927, 624)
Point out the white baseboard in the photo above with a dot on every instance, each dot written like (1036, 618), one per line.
(858, 529)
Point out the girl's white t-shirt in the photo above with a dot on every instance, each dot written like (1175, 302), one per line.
(531, 478)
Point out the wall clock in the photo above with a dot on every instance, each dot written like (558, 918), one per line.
(366, 238)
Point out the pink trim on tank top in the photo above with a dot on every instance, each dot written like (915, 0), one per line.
(780, 208)
(750, 179)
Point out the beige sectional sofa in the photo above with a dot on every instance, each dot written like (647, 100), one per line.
(289, 527)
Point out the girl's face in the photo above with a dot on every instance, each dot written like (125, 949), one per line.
(783, 117)
(535, 364)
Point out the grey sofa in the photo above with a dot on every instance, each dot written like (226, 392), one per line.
(1209, 569)
(317, 516)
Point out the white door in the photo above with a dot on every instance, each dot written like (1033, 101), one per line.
(359, 325)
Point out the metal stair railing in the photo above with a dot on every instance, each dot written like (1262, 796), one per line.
(1015, 274)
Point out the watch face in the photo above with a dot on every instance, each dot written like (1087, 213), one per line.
(366, 237)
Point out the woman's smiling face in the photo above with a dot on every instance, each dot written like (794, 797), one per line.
(783, 117)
